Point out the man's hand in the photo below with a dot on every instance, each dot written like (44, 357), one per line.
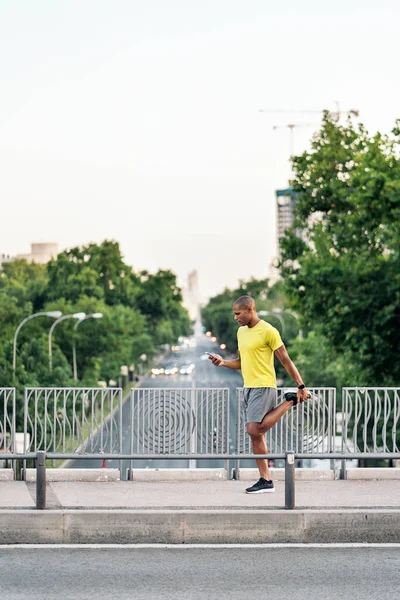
(302, 395)
(217, 360)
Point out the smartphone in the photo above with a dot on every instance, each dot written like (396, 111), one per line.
(209, 354)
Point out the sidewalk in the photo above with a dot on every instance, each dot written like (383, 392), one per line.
(200, 512)
(204, 495)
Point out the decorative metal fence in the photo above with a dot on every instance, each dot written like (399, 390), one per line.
(179, 421)
(7, 419)
(371, 419)
(195, 421)
(73, 420)
(308, 428)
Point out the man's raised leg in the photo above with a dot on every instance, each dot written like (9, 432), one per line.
(274, 415)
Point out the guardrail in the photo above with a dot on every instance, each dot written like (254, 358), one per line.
(371, 419)
(309, 428)
(7, 420)
(73, 420)
(289, 457)
(179, 421)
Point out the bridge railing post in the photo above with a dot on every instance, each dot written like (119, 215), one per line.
(41, 480)
(289, 481)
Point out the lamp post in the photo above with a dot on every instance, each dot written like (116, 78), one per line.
(54, 314)
(292, 314)
(264, 313)
(92, 316)
(79, 316)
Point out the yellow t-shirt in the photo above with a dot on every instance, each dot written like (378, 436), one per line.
(257, 346)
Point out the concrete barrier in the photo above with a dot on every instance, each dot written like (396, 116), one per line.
(53, 475)
(374, 473)
(178, 474)
(279, 474)
(6, 474)
(199, 526)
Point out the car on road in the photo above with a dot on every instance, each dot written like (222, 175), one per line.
(157, 371)
(187, 369)
(171, 369)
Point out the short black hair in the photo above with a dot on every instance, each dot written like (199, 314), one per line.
(245, 302)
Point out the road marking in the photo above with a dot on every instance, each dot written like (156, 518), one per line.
(192, 546)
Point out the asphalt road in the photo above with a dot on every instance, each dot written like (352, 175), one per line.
(326, 573)
(205, 375)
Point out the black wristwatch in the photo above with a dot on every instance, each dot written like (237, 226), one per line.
(301, 387)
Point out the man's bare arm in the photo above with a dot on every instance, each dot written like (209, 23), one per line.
(291, 369)
(218, 361)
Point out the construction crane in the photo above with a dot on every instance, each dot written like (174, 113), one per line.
(335, 114)
(291, 127)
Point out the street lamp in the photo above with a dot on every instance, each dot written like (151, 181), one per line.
(264, 313)
(92, 316)
(54, 314)
(292, 314)
(79, 316)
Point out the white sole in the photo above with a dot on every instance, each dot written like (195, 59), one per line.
(262, 491)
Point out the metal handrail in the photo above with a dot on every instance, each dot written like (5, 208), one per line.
(288, 457)
(193, 456)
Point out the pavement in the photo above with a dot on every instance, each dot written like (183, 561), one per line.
(201, 495)
(200, 573)
(200, 512)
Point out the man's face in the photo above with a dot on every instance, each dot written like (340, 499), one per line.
(242, 315)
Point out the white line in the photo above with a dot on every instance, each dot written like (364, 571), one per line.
(192, 546)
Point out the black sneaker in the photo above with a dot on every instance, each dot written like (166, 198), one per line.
(291, 397)
(262, 486)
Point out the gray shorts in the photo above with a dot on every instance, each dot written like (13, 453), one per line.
(257, 402)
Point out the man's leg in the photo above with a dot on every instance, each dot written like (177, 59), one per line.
(274, 415)
(259, 446)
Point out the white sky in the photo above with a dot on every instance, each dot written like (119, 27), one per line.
(137, 120)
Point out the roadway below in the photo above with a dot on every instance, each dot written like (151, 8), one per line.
(205, 375)
(237, 573)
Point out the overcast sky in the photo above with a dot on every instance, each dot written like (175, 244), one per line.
(137, 120)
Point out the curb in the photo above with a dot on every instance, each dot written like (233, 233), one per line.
(199, 526)
(278, 474)
(88, 475)
(172, 474)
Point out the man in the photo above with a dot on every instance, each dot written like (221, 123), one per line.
(258, 341)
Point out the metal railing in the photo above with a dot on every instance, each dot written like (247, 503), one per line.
(169, 423)
(309, 428)
(179, 421)
(371, 419)
(7, 419)
(40, 458)
(73, 420)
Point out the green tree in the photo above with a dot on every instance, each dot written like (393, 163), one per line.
(140, 312)
(160, 300)
(343, 276)
(96, 271)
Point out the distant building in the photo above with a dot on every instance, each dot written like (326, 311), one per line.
(285, 206)
(41, 253)
(286, 201)
(5, 258)
(191, 298)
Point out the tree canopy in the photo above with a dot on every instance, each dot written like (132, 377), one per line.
(343, 274)
(140, 311)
